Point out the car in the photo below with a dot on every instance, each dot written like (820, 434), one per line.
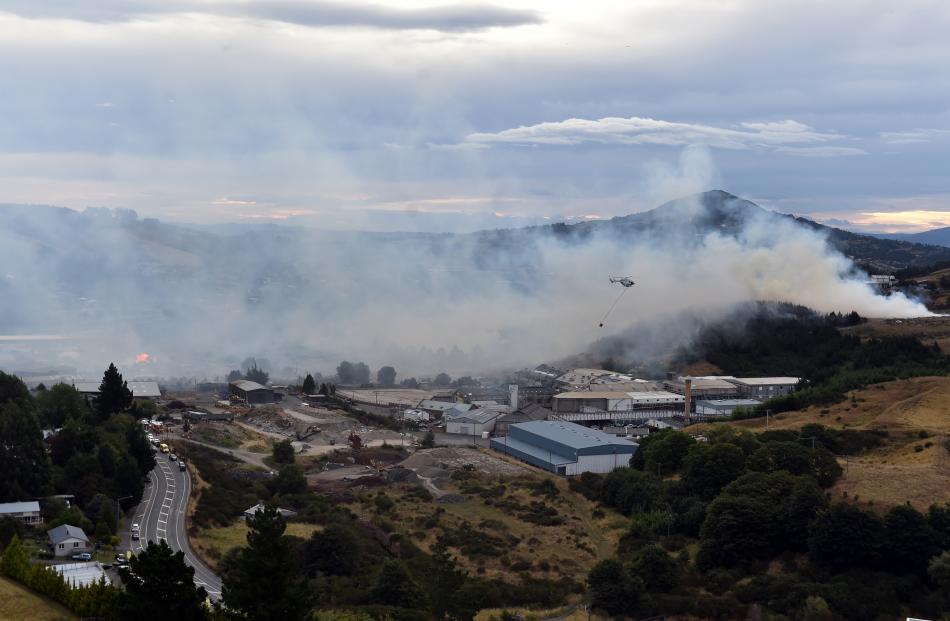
(135, 535)
(172, 457)
(181, 466)
(82, 556)
(135, 526)
(121, 560)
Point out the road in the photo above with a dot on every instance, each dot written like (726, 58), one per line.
(161, 515)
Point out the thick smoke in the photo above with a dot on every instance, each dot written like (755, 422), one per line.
(114, 287)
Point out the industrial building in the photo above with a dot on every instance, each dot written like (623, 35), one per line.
(602, 380)
(438, 408)
(565, 448)
(473, 422)
(764, 388)
(716, 408)
(252, 393)
(27, 512)
(709, 387)
(140, 390)
(524, 414)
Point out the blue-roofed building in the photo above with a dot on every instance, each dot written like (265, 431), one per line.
(565, 448)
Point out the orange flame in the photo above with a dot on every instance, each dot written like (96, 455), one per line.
(143, 358)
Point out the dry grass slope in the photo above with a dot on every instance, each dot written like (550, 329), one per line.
(19, 603)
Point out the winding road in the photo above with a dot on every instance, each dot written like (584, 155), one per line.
(161, 515)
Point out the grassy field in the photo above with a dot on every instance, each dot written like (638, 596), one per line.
(230, 436)
(927, 329)
(212, 543)
(19, 603)
(566, 549)
(912, 466)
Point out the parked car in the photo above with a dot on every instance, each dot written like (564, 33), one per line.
(120, 560)
(172, 457)
(82, 556)
(181, 466)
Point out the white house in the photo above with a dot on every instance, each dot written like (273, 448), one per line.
(27, 512)
(67, 540)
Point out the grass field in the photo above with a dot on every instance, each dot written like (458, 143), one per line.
(230, 436)
(21, 604)
(912, 466)
(213, 543)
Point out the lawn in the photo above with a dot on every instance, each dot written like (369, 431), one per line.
(213, 543)
(18, 602)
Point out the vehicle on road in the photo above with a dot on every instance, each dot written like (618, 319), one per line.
(83, 556)
(121, 560)
(135, 532)
(164, 448)
(172, 457)
(181, 466)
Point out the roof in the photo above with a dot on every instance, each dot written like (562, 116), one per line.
(764, 381)
(81, 574)
(476, 416)
(726, 403)
(704, 383)
(429, 404)
(248, 385)
(506, 443)
(260, 507)
(573, 435)
(139, 389)
(605, 394)
(66, 531)
(19, 507)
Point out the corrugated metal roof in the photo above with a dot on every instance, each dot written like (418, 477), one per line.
(81, 574)
(19, 507)
(726, 402)
(507, 443)
(66, 531)
(765, 381)
(248, 385)
(572, 435)
(476, 416)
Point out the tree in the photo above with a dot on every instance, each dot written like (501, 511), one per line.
(410, 383)
(911, 542)
(445, 587)
(159, 585)
(256, 374)
(344, 373)
(235, 375)
(60, 403)
(114, 394)
(335, 551)
(309, 385)
(289, 480)
(360, 373)
(658, 571)
(707, 468)
(612, 589)
(386, 376)
(939, 570)
(815, 609)
(630, 491)
(259, 579)
(283, 452)
(395, 587)
(844, 537)
(23, 459)
(666, 452)
(442, 379)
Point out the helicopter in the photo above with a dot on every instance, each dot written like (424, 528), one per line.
(626, 282)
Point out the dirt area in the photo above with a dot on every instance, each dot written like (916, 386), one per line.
(435, 466)
(387, 396)
(913, 465)
(927, 329)
(229, 436)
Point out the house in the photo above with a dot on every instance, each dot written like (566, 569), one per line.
(27, 512)
(67, 540)
(249, 514)
(565, 448)
(524, 414)
(252, 393)
(764, 388)
(473, 422)
(140, 390)
(722, 407)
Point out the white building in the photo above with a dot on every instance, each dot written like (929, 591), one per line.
(764, 388)
(610, 401)
(565, 448)
(473, 423)
(27, 512)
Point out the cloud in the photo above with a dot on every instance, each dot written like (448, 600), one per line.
(913, 136)
(462, 17)
(826, 151)
(647, 131)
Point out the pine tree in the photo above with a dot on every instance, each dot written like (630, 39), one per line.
(309, 385)
(114, 394)
(159, 585)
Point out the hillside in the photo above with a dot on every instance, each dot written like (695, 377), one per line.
(936, 237)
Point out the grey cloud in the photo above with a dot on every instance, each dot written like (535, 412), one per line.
(314, 13)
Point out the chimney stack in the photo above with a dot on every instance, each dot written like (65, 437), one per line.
(688, 391)
(512, 397)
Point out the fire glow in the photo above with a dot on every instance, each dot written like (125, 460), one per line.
(143, 358)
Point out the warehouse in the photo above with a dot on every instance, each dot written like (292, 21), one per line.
(565, 448)
(473, 422)
(717, 408)
(609, 401)
(251, 393)
(711, 387)
(765, 388)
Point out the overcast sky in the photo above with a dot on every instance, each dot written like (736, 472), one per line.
(414, 114)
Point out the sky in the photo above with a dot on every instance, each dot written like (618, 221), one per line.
(420, 115)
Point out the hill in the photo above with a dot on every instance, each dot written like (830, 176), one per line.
(936, 237)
